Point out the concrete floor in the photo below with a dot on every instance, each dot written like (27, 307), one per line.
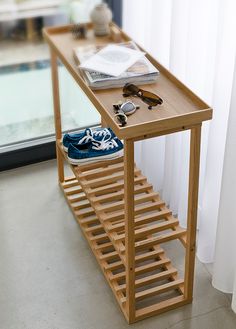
(50, 280)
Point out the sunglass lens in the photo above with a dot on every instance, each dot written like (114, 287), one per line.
(147, 97)
(128, 108)
(130, 89)
(151, 99)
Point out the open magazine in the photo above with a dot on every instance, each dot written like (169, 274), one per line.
(142, 72)
(112, 60)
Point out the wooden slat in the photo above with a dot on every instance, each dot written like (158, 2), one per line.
(93, 165)
(101, 171)
(99, 237)
(138, 259)
(70, 183)
(146, 219)
(89, 220)
(149, 279)
(80, 204)
(158, 308)
(156, 291)
(109, 256)
(104, 246)
(105, 180)
(120, 204)
(94, 229)
(84, 212)
(113, 187)
(138, 210)
(114, 266)
(148, 207)
(151, 266)
(76, 198)
(68, 179)
(143, 269)
(149, 255)
(158, 239)
(120, 194)
(144, 231)
(72, 191)
(155, 277)
(142, 220)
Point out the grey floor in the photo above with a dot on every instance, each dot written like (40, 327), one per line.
(49, 278)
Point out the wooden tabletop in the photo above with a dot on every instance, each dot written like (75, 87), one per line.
(180, 110)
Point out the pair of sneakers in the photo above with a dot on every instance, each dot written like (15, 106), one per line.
(92, 145)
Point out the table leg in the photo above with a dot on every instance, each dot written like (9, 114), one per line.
(129, 228)
(195, 144)
(57, 114)
(30, 29)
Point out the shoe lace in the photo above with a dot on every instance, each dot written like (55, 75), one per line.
(105, 145)
(96, 133)
(99, 133)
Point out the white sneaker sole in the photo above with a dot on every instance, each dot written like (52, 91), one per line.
(96, 159)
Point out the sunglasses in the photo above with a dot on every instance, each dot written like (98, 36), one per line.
(147, 97)
(122, 110)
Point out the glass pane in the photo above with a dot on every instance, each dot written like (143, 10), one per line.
(76, 108)
(26, 107)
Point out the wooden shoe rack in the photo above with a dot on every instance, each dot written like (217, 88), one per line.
(123, 219)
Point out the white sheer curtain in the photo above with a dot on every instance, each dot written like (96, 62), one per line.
(225, 261)
(196, 40)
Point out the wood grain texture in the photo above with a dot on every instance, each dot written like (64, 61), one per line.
(195, 146)
(181, 107)
(152, 267)
(121, 216)
(57, 114)
(129, 228)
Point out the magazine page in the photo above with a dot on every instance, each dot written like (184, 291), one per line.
(112, 60)
(142, 67)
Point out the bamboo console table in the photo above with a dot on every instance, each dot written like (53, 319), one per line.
(124, 220)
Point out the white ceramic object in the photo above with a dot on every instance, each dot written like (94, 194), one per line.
(101, 17)
(77, 12)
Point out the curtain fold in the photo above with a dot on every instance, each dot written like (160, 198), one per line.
(221, 97)
(196, 41)
(224, 277)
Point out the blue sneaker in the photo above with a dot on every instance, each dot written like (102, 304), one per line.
(88, 135)
(95, 151)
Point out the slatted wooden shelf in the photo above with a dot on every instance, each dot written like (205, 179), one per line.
(103, 185)
(155, 274)
(124, 220)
